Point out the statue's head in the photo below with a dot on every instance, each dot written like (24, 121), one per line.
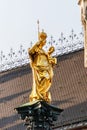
(42, 36)
(51, 50)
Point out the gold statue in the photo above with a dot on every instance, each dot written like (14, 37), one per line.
(42, 68)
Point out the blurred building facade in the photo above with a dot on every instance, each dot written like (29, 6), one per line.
(69, 88)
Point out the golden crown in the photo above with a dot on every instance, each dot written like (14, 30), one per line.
(42, 35)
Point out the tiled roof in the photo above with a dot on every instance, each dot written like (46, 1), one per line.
(69, 92)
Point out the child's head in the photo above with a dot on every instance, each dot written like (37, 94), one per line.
(51, 50)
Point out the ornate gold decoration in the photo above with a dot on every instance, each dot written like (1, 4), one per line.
(42, 68)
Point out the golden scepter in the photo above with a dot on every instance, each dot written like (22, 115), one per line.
(38, 29)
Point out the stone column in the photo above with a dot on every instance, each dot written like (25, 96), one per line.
(83, 7)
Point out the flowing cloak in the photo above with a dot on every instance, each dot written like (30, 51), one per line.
(42, 75)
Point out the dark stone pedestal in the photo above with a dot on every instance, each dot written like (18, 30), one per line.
(39, 115)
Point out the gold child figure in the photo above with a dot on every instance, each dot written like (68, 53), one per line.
(42, 68)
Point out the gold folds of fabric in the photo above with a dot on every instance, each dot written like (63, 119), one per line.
(42, 69)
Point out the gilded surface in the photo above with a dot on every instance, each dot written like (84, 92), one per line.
(42, 68)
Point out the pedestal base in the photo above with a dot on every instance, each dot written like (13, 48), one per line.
(39, 115)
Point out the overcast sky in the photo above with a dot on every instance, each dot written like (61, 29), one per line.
(18, 20)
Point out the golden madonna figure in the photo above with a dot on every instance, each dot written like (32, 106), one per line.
(42, 68)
